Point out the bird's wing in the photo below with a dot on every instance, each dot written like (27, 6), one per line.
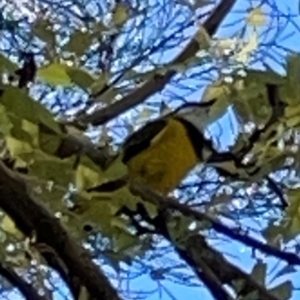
(141, 139)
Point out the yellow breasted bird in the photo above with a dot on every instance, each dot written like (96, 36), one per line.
(164, 151)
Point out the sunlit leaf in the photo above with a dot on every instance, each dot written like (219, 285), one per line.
(292, 111)
(17, 147)
(96, 212)
(219, 91)
(293, 121)
(9, 226)
(257, 17)
(247, 49)
(55, 74)
(86, 177)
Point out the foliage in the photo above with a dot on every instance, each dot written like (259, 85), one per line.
(98, 72)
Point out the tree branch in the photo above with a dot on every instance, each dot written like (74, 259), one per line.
(30, 217)
(157, 82)
(25, 288)
(198, 250)
(209, 265)
(151, 196)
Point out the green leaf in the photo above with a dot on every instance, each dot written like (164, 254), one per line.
(290, 91)
(9, 226)
(50, 168)
(18, 103)
(5, 122)
(215, 90)
(291, 224)
(259, 272)
(7, 65)
(43, 28)
(203, 38)
(293, 122)
(17, 147)
(55, 74)
(264, 77)
(47, 119)
(48, 193)
(291, 111)
(97, 212)
(80, 77)
(221, 93)
(116, 169)
(120, 198)
(251, 295)
(49, 143)
(79, 42)
(124, 241)
(283, 291)
(86, 177)
(273, 233)
(250, 101)
(20, 134)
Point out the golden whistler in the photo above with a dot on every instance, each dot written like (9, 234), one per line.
(164, 151)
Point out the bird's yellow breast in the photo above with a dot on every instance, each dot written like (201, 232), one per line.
(167, 161)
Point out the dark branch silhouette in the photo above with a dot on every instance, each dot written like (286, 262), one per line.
(30, 217)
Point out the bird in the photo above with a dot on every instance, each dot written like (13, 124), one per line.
(164, 151)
